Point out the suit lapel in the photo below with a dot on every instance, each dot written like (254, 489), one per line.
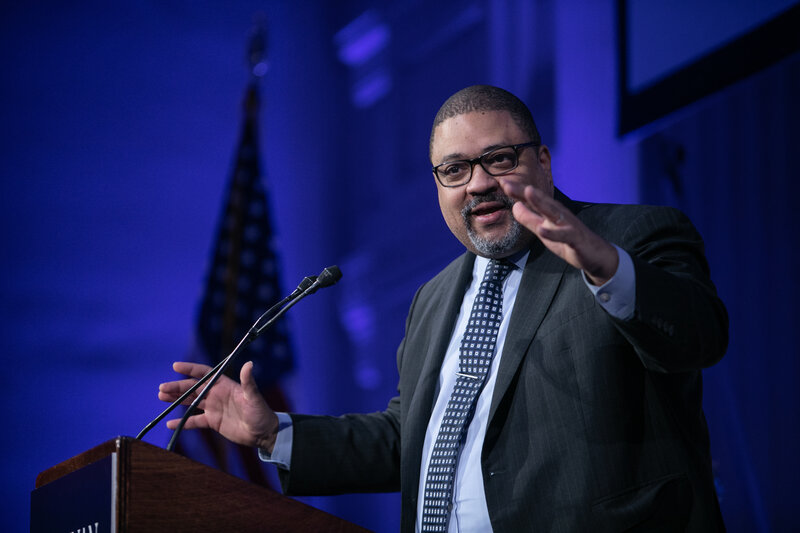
(540, 281)
(450, 303)
(448, 298)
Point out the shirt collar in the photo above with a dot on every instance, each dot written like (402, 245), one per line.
(518, 260)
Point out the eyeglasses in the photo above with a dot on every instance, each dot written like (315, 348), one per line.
(495, 162)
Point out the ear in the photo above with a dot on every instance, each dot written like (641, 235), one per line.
(544, 157)
(544, 164)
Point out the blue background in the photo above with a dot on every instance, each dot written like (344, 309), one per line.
(119, 127)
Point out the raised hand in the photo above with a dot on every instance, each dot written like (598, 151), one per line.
(562, 232)
(237, 411)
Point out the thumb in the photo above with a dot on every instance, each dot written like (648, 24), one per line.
(249, 387)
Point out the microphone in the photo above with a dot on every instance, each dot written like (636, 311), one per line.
(327, 277)
(268, 317)
(307, 282)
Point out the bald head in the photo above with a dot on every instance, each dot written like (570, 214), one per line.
(486, 98)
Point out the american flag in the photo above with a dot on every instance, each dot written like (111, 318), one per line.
(244, 281)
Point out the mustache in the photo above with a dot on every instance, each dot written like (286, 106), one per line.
(483, 198)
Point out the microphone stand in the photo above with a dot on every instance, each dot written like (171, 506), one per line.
(301, 289)
(251, 335)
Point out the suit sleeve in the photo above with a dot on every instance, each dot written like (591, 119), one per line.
(346, 454)
(679, 323)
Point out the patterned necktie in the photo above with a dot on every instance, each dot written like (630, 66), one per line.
(476, 352)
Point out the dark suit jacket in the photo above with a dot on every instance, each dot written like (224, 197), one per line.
(595, 424)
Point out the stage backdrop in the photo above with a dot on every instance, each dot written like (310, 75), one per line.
(119, 129)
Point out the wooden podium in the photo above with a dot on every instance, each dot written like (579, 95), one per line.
(126, 485)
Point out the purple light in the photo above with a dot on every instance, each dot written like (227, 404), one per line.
(371, 88)
(362, 39)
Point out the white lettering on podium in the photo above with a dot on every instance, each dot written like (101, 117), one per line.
(88, 529)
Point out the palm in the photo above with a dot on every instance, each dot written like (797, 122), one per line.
(237, 411)
(563, 233)
(237, 417)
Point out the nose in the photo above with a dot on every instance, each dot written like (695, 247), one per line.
(481, 182)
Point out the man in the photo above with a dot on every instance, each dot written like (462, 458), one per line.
(580, 409)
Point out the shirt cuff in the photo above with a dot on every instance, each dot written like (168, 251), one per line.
(618, 295)
(281, 455)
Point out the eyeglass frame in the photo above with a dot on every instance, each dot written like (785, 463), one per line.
(474, 160)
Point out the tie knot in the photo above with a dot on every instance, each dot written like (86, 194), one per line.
(497, 270)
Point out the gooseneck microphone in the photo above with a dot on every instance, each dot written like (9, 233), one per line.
(309, 285)
(326, 278)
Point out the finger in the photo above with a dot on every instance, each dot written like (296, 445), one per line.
(542, 227)
(527, 217)
(165, 397)
(249, 386)
(170, 397)
(193, 422)
(512, 189)
(536, 200)
(176, 387)
(187, 401)
(545, 205)
(195, 370)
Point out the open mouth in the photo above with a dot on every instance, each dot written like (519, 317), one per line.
(487, 208)
(486, 211)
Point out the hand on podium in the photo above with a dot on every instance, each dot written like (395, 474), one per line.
(236, 411)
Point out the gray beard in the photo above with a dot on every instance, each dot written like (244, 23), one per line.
(496, 248)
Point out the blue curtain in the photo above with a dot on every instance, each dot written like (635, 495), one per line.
(730, 163)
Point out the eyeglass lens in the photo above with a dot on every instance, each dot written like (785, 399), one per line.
(495, 163)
